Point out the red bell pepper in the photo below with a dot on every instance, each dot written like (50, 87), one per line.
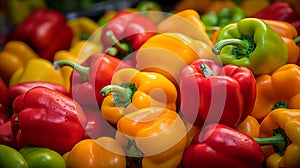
(9, 95)
(46, 31)
(6, 135)
(212, 93)
(282, 11)
(126, 32)
(47, 118)
(218, 145)
(97, 126)
(89, 78)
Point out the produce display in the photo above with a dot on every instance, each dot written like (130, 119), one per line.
(145, 83)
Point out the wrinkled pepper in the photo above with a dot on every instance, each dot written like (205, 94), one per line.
(168, 53)
(279, 131)
(218, 145)
(131, 90)
(91, 76)
(125, 33)
(282, 11)
(289, 34)
(101, 152)
(58, 120)
(15, 54)
(153, 137)
(6, 135)
(82, 28)
(38, 70)
(186, 22)
(46, 31)
(273, 92)
(251, 43)
(230, 89)
(30, 157)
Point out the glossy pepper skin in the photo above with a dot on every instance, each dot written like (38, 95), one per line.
(251, 43)
(205, 84)
(93, 153)
(46, 31)
(127, 31)
(61, 120)
(15, 54)
(279, 132)
(91, 76)
(42, 157)
(218, 145)
(282, 11)
(273, 92)
(154, 136)
(10, 157)
(168, 53)
(131, 90)
(6, 135)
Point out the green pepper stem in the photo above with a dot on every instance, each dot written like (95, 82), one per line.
(213, 28)
(241, 45)
(122, 96)
(83, 71)
(123, 48)
(206, 71)
(297, 40)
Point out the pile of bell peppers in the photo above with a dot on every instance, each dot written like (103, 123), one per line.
(205, 86)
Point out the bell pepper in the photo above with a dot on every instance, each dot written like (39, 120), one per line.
(79, 52)
(218, 145)
(216, 5)
(225, 16)
(8, 97)
(251, 43)
(6, 135)
(10, 157)
(186, 22)
(154, 137)
(96, 125)
(125, 33)
(211, 93)
(42, 157)
(200, 6)
(253, 6)
(279, 130)
(151, 9)
(82, 28)
(282, 11)
(46, 31)
(102, 152)
(168, 53)
(3, 86)
(131, 90)
(15, 54)
(58, 120)
(39, 70)
(89, 78)
(273, 92)
(249, 126)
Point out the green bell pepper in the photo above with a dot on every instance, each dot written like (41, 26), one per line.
(251, 43)
(33, 157)
(42, 157)
(10, 157)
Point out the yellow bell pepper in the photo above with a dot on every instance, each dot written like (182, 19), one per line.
(15, 54)
(83, 28)
(253, 6)
(90, 153)
(37, 69)
(78, 53)
(132, 90)
(279, 131)
(279, 89)
(186, 22)
(249, 126)
(156, 137)
(168, 53)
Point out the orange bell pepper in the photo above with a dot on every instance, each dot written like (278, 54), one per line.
(132, 90)
(249, 126)
(102, 152)
(288, 33)
(156, 137)
(279, 89)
